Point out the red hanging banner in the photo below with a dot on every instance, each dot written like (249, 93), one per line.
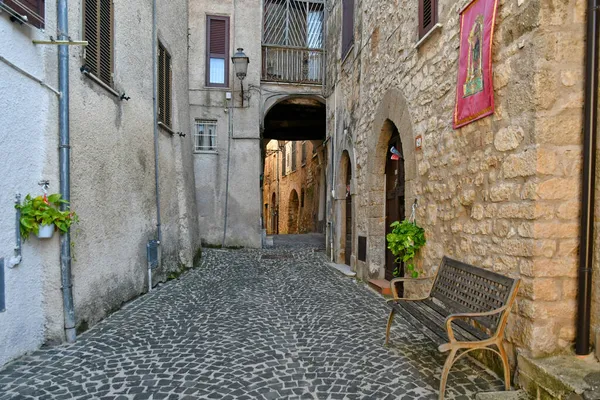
(475, 90)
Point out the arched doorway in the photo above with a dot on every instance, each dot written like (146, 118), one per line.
(394, 194)
(274, 212)
(293, 210)
(344, 211)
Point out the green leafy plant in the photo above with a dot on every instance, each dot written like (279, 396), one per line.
(404, 242)
(44, 210)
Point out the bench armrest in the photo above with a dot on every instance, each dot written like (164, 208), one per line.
(452, 317)
(407, 299)
(395, 292)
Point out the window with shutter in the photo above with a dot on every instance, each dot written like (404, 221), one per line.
(32, 12)
(98, 31)
(165, 79)
(347, 26)
(217, 51)
(294, 156)
(427, 16)
(283, 159)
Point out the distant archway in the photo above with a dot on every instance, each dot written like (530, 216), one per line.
(293, 211)
(274, 211)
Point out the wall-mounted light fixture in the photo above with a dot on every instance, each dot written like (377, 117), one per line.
(240, 63)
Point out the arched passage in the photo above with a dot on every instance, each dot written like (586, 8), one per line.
(392, 118)
(293, 212)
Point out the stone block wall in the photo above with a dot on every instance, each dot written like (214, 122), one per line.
(501, 193)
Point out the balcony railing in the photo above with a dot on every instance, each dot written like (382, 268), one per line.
(292, 64)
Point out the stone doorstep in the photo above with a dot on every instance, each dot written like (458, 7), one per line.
(560, 377)
(511, 395)
(382, 286)
(343, 268)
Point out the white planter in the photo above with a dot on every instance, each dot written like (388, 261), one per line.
(46, 231)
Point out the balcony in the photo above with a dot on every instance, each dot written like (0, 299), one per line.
(292, 50)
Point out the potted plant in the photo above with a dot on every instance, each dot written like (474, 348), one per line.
(404, 242)
(42, 216)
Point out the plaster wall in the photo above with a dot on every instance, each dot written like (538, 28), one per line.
(501, 193)
(241, 138)
(29, 137)
(113, 187)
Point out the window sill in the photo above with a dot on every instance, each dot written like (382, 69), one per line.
(97, 80)
(215, 152)
(435, 28)
(166, 128)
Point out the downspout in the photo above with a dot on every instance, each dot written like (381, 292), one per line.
(229, 139)
(586, 249)
(155, 117)
(64, 150)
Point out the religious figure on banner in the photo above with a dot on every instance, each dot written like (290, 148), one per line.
(474, 82)
(474, 89)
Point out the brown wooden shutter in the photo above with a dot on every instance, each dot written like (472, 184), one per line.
(427, 16)
(98, 31)
(165, 83)
(34, 11)
(217, 45)
(347, 26)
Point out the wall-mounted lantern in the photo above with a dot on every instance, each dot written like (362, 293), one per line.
(240, 63)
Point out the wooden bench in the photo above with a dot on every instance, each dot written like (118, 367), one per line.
(466, 309)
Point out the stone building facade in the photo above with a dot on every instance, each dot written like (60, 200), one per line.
(112, 167)
(503, 192)
(294, 201)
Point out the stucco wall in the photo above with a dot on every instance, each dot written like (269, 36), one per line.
(501, 193)
(113, 187)
(244, 197)
(28, 133)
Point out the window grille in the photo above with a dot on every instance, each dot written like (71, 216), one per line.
(98, 21)
(165, 79)
(205, 135)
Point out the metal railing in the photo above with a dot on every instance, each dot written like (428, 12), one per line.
(292, 64)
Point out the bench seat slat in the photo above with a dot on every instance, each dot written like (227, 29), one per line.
(475, 332)
(456, 308)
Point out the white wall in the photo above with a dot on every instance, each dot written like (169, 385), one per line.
(29, 139)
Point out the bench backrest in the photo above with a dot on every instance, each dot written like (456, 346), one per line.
(465, 288)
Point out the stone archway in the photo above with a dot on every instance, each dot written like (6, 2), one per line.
(344, 210)
(293, 212)
(392, 112)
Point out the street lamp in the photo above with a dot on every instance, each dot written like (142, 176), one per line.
(240, 64)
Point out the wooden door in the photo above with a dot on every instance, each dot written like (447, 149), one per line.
(348, 248)
(394, 198)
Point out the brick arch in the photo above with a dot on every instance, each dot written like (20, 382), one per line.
(392, 111)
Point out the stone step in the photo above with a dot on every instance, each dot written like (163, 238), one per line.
(382, 286)
(564, 377)
(343, 268)
(512, 395)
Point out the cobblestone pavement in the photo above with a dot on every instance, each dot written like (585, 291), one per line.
(247, 324)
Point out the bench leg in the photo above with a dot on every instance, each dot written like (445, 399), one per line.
(445, 371)
(389, 326)
(506, 365)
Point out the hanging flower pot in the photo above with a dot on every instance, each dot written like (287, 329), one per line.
(45, 231)
(42, 216)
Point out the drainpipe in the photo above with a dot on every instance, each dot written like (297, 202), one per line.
(155, 116)
(229, 139)
(65, 171)
(586, 249)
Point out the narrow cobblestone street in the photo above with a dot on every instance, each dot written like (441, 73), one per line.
(247, 324)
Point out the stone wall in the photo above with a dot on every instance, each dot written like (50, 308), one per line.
(501, 193)
(304, 181)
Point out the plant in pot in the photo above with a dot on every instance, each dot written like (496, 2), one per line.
(404, 242)
(42, 216)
